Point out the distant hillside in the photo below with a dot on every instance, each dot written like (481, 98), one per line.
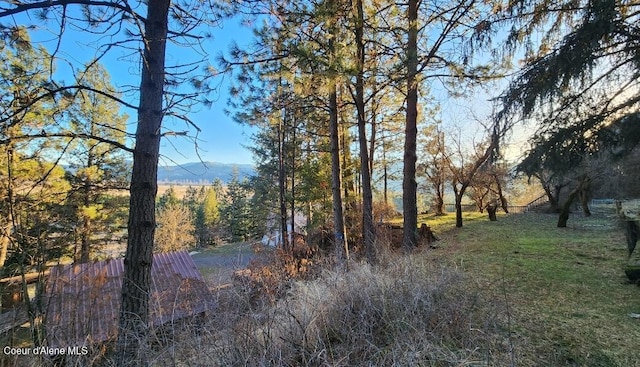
(202, 172)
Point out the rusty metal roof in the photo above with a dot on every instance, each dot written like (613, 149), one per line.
(83, 300)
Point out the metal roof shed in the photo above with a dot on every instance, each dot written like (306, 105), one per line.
(83, 300)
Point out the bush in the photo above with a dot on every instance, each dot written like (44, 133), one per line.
(404, 314)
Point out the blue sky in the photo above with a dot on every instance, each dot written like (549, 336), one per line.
(220, 140)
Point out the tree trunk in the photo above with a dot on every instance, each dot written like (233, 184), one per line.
(554, 198)
(4, 242)
(368, 227)
(85, 235)
(292, 204)
(136, 285)
(282, 186)
(504, 203)
(373, 139)
(341, 246)
(585, 183)
(5, 236)
(385, 176)
(439, 205)
(632, 233)
(340, 240)
(458, 194)
(409, 184)
(566, 209)
(85, 243)
(458, 212)
(491, 210)
(584, 201)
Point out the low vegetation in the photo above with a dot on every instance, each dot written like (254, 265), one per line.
(516, 292)
(408, 313)
(568, 302)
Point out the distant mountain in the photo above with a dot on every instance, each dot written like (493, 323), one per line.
(202, 172)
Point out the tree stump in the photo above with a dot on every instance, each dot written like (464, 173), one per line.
(425, 235)
(633, 273)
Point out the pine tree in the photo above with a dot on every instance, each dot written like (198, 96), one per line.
(26, 175)
(235, 212)
(97, 168)
(119, 25)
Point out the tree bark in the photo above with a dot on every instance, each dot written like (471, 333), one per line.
(458, 212)
(584, 201)
(340, 240)
(136, 285)
(491, 210)
(439, 205)
(341, 246)
(282, 186)
(85, 236)
(409, 184)
(385, 175)
(566, 209)
(5, 236)
(584, 184)
(368, 227)
(292, 204)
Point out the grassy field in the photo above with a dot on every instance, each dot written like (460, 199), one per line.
(567, 299)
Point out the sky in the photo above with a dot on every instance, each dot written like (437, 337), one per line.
(221, 139)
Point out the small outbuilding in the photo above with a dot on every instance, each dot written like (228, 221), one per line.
(83, 300)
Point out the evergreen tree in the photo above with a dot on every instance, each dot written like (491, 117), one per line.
(168, 198)
(97, 168)
(580, 81)
(120, 25)
(211, 212)
(235, 212)
(27, 179)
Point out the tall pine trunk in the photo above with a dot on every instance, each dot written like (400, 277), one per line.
(282, 185)
(85, 235)
(292, 204)
(368, 228)
(409, 184)
(340, 240)
(136, 285)
(341, 245)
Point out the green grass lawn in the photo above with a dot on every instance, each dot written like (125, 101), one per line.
(563, 291)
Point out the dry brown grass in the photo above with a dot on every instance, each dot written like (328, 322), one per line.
(406, 313)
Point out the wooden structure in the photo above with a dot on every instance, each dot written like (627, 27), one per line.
(83, 300)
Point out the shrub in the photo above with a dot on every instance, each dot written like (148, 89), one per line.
(404, 314)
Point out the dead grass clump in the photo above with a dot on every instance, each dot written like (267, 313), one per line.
(404, 314)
